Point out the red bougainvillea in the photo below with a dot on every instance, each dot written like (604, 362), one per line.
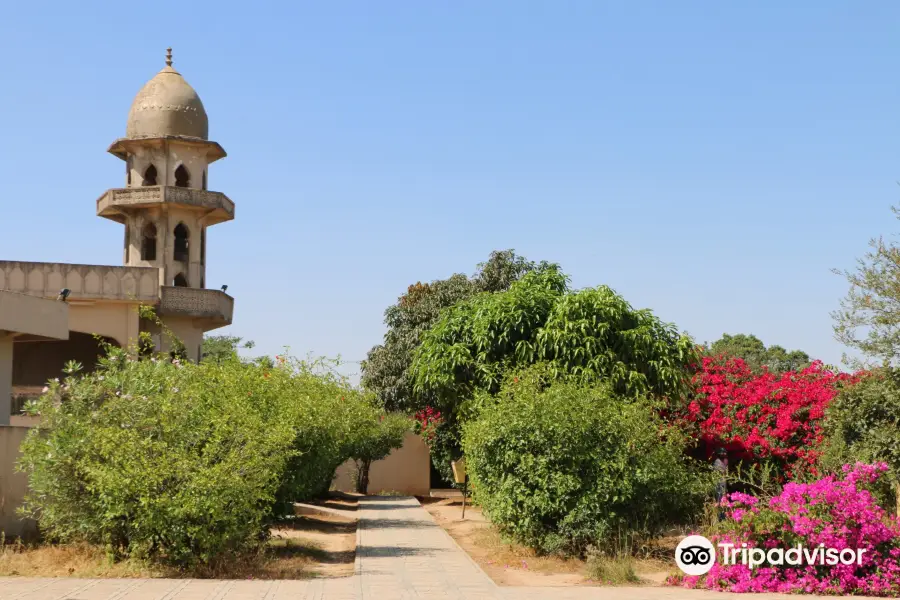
(426, 422)
(762, 416)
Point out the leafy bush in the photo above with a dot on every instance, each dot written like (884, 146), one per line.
(182, 463)
(154, 458)
(836, 512)
(585, 336)
(567, 467)
(863, 423)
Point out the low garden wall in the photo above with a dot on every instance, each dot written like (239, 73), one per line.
(13, 485)
(406, 470)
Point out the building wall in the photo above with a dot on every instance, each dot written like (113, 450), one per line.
(188, 332)
(88, 282)
(116, 320)
(406, 470)
(13, 486)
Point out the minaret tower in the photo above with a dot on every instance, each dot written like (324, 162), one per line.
(165, 205)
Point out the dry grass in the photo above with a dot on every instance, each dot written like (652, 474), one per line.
(509, 563)
(318, 542)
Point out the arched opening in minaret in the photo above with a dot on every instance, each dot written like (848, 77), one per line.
(181, 242)
(180, 280)
(149, 176)
(204, 180)
(128, 171)
(148, 242)
(203, 246)
(182, 177)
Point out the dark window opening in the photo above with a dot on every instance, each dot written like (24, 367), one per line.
(204, 180)
(149, 176)
(148, 242)
(128, 171)
(181, 242)
(203, 246)
(203, 283)
(182, 177)
(127, 243)
(180, 280)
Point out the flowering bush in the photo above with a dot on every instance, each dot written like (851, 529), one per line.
(762, 416)
(838, 513)
(427, 422)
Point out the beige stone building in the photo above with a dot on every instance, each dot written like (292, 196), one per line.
(165, 208)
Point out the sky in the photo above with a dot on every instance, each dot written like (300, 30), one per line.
(711, 161)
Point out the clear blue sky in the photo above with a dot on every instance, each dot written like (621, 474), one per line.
(709, 160)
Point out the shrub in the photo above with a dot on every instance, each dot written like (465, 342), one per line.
(836, 512)
(328, 417)
(762, 417)
(153, 458)
(863, 424)
(187, 464)
(567, 467)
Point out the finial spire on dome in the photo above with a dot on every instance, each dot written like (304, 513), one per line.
(168, 57)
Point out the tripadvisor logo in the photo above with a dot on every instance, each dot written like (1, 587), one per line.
(696, 555)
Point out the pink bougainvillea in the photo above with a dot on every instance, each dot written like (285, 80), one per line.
(762, 416)
(838, 513)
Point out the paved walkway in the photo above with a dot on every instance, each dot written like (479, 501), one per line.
(401, 554)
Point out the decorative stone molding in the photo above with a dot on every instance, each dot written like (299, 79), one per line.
(118, 200)
(213, 305)
(89, 282)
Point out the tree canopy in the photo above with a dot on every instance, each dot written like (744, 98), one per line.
(756, 355)
(386, 368)
(869, 317)
(591, 334)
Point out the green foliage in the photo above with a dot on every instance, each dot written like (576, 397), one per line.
(863, 423)
(188, 464)
(386, 368)
(569, 467)
(374, 441)
(221, 348)
(754, 352)
(869, 317)
(589, 335)
(152, 458)
(379, 436)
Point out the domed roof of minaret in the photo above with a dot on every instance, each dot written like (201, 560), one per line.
(167, 106)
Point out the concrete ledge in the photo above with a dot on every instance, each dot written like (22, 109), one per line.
(21, 313)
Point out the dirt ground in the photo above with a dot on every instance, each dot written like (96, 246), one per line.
(510, 564)
(320, 541)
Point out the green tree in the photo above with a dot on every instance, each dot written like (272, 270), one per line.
(587, 335)
(754, 352)
(869, 318)
(375, 441)
(386, 368)
(863, 424)
(583, 336)
(220, 348)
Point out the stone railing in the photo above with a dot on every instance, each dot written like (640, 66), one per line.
(83, 281)
(114, 200)
(214, 305)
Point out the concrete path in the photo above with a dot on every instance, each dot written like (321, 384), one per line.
(401, 554)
